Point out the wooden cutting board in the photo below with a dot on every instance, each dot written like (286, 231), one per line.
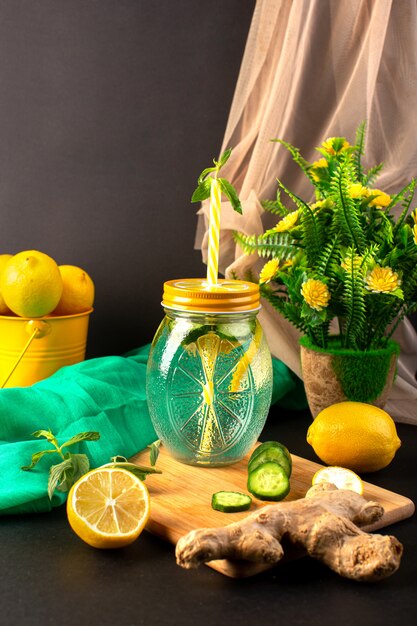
(181, 501)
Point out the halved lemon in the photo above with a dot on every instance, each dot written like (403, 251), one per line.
(342, 477)
(108, 507)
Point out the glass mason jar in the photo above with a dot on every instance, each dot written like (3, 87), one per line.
(209, 376)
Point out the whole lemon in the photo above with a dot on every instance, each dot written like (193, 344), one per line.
(31, 284)
(77, 293)
(355, 435)
(4, 309)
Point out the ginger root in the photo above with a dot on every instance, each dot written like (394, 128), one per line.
(324, 523)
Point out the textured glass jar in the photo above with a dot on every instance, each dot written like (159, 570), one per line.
(209, 378)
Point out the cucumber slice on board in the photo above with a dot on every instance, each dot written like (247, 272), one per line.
(230, 501)
(269, 482)
(272, 453)
(280, 452)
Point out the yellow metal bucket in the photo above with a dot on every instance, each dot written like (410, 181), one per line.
(33, 349)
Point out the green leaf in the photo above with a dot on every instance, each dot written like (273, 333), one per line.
(194, 334)
(36, 457)
(224, 158)
(203, 191)
(86, 436)
(80, 466)
(372, 174)
(141, 471)
(47, 434)
(313, 317)
(275, 207)
(154, 451)
(230, 192)
(205, 173)
(398, 293)
(297, 158)
(278, 246)
(65, 474)
(346, 210)
(354, 303)
(118, 459)
(58, 475)
(359, 151)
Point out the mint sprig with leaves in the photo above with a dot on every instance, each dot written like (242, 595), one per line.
(63, 475)
(141, 471)
(210, 174)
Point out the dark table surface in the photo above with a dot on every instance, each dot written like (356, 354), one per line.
(49, 576)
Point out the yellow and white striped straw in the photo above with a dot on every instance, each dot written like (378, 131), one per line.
(214, 233)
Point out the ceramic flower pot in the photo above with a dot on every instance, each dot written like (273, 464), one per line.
(337, 374)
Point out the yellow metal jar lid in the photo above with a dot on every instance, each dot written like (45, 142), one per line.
(194, 294)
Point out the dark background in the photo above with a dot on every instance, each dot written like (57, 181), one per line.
(109, 110)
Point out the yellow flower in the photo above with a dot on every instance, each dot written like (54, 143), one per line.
(268, 271)
(334, 145)
(315, 293)
(347, 262)
(381, 198)
(322, 204)
(286, 223)
(414, 216)
(415, 233)
(382, 280)
(321, 164)
(358, 191)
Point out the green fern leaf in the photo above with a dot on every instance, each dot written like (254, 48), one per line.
(355, 307)
(313, 238)
(383, 309)
(372, 174)
(297, 158)
(359, 151)
(405, 196)
(287, 309)
(329, 260)
(278, 245)
(346, 210)
(275, 206)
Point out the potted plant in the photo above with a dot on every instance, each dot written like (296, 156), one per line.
(343, 270)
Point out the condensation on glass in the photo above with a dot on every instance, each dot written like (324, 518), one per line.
(209, 377)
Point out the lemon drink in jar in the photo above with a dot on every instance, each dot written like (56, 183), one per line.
(209, 376)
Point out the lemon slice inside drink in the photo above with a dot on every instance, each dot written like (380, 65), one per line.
(342, 477)
(246, 359)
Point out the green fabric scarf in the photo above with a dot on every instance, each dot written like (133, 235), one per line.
(107, 395)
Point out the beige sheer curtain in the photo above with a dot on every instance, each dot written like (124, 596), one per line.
(314, 69)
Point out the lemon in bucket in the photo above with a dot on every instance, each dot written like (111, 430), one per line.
(35, 339)
(77, 293)
(31, 284)
(4, 309)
